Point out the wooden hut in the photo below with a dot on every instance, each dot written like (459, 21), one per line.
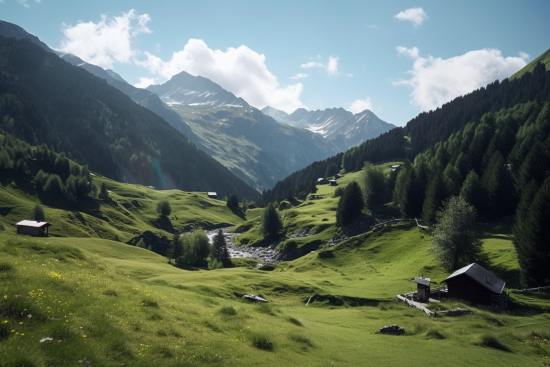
(422, 288)
(338, 175)
(322, 181)
(333, 183)
(212, 195)
(33, 228)
(477, 284)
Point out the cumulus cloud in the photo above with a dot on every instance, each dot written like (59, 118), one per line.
(24, 3)
(331, 67)
(299, 76)
(144, 82)
(240, 70)
(414, 15)
(360, 105)
(435, 81)
(106, 42)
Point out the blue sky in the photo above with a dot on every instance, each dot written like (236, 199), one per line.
(396, 58)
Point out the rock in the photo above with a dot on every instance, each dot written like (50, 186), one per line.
(392, 330)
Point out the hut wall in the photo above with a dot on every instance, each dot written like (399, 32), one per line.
(32, 231)
(464, 287)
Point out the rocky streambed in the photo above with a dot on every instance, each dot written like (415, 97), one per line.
(266, 255)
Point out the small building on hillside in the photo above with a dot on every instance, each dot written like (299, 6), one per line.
(212, 195)
(476, 284)
(338, 175)
(422, 288)
(333, 183)
(395, 167)
(322, 181)
(33, 228)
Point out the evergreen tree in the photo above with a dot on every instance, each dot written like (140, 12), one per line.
(474, 192)
(350, 205)
(374, 185)
(532, 237)
(219, 250)
(452, 180)
(434, 196)
(103, 193)
(232, 201)
(271, 222)
(499, 185)
(331, 170)
(53, 185)
(163, 208)
(21, 167)
(456, 240)
(244, 205)
(37, 213)
(5, 160)
(40, 180)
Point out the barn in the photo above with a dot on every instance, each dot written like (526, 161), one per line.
(476, 284)
(33, 228)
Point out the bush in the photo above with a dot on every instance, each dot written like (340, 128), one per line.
(228, 310)
(37, 213)
(163, 208)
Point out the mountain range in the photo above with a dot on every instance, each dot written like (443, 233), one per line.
(337, 125)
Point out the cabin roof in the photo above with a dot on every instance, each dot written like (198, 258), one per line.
(33, 223)
(481, 275)
(212, 193)
(423, 281)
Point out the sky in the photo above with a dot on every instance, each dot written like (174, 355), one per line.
(396, 58)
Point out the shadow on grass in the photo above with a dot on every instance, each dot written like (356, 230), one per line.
(238, 212)
(163, 222)
(184, 267)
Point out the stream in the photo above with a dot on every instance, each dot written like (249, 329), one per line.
(265, 255)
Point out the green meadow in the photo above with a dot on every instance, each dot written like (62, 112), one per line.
(81, 295)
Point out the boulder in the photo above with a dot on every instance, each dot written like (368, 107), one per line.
(392, 330)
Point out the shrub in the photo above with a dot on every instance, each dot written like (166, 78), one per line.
(37, 213)
(164, 208)
(228, 310)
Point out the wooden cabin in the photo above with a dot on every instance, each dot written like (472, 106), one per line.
(333, 183)
(212, 195)
(395, 167)
(422, 288)
(338, 175)
(322, 181)
(476, 284)
(33, 228)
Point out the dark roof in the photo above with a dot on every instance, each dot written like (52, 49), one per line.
(33, 223)
(423, 281)
(482, 276)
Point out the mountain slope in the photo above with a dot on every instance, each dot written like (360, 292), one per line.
(337, 124)
(544, 59)
(47, 100)
(254, 146)
(10, 30)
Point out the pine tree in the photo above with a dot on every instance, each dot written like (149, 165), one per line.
(456, 240)
(232, 201)
(434, 196)
(350, 205)
(219, 250)
(271, 222)
(531, 235)
(331, 170)
(474, 192)
(103, 193)
(374, 185)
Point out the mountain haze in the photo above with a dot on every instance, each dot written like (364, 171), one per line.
(338, 125)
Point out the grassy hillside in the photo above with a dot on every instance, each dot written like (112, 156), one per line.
(131, 211)
(544, 58)
(112, 304)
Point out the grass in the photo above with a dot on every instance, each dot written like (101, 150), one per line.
(112, 304)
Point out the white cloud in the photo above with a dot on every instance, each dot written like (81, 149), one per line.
(523, 55)
(331, 67)
(106, 42)
(312, 64)
(144, 82)
(435, 81)
(414, 15)
(409, 52)
(24, 3)
(349, 75)
(299, 76)
(360, 105)
(240, 70)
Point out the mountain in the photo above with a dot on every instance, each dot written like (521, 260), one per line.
(98, 71)
(252, 145)
(46, 100)
(186, 89)
(544, 59)
(344, 128)
(10, 30)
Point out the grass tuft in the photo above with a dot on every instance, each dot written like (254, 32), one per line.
(491, 341)
(434, 334)
(262, 341)
(148, 302)
(228, 311)
(298, 338)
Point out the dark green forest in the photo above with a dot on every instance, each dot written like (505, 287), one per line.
(424, 131)
(45, 100)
